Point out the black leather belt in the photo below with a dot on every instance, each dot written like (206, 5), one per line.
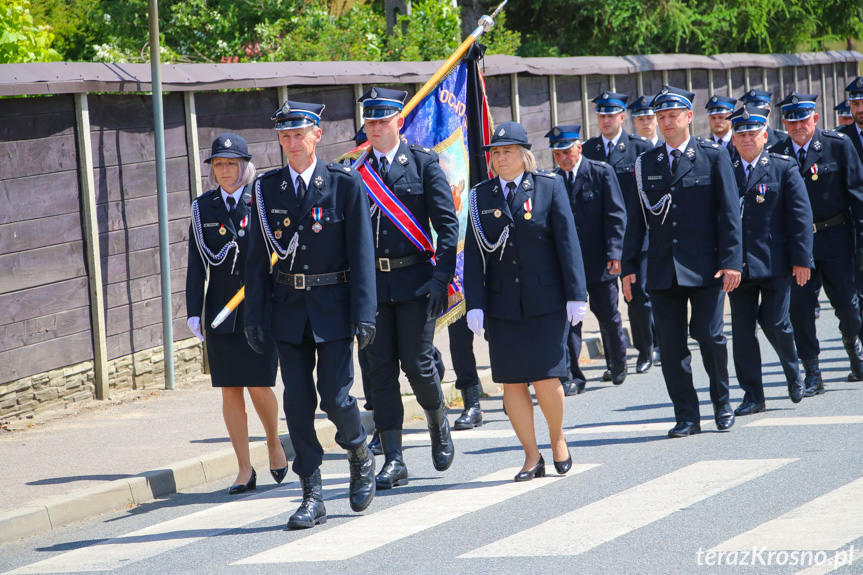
(302, 281)
(389, 264)
(829, 223)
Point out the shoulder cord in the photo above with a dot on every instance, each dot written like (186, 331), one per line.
(207, 255)
(482, 242)
(373, 211)
(271, 242)
(663, 205)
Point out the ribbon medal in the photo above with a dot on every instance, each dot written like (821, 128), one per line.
(316, 214)
(528, 205)
(762, 189)
(814, 169)
(243, 223)
(222, 230)
(277, 234)
(497, 213)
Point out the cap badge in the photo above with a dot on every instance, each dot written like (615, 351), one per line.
(373, 93)
(752, 93)
(860, 82)
(663, 92)
(556, 132)
(605, 95)
(713, 99)
(228, 143)
(403, 160)
(319, 181)
(501, 132)
(794, 100)
(745, 115)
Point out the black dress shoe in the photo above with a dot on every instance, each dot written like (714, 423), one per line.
(606, 375)
(279, 474)
(749, 408)
(684, 429)
(570, 388)
(394, 472)
(361, 489)
(311, 511)
(796, 389)
(375, 443)
(618, 373)
(537, 470)
(655, 357)
(442, 448)
(724, 417)
(563, 466)
(472, 415)
(579, 387)
(644, 362)
(248, 486)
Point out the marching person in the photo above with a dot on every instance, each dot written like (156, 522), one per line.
(218, 243)
(467, 379)
(761, 99)
(853, 128)
(688, 205)
(313, 301)
(600, 220)
(524, 283)
(644, 118)
(834, 182)
(843, 112)
(719, 108)
(408, 189)
(620, 149)
(777, 248)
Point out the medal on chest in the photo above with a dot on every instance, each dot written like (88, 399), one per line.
(243, 223)
(316, 215)
(814, 170)
(528, 206)
(222, 230)
(762, 189)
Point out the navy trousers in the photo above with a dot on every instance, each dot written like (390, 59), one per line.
(772, 314)
(461, 351)
(335, 371)
(603, 298)
(672, 332)
(641, 322)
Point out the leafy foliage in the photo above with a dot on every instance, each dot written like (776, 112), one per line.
(21, 39)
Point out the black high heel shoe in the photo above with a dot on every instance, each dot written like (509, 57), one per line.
(241, 488)
(537, 470)
(563, 466)
(279, 474)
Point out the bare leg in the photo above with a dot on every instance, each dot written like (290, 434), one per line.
(519, 407)
(234, 412)
(549, 395)
(267, 407)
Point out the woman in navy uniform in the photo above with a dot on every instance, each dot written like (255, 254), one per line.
(777, 248)
(524, 282)
(218, 242)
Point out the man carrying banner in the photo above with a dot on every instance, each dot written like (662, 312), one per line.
(408, 188)
(313, 299)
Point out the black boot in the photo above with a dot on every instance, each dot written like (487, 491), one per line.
(812, 382)
(362, 486)
(441, 441)
(394, 471)
(311, 510)
(618, 373)
(375, 444)
(855, 354)
(471, 416)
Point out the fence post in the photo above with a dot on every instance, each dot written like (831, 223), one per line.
(584, 110)
(514, 100)
(688, 79)
(824, 98)
(283, 97)
(91, 244)
(746, 82)
(552, 98)
(640, 77)
(729, 87)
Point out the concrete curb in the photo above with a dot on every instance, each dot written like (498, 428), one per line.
(42, 516)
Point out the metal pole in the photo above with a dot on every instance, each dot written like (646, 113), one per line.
(162, 196)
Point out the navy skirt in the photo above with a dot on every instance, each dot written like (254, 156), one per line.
(528, 349)
(234, 364)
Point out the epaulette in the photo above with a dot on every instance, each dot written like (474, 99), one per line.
(545, 173)
(206, 194)
(640, 137)
(269, 173)
(782, 156)
(707, 143)
(832, 134)
(339, 168)
(418, 148)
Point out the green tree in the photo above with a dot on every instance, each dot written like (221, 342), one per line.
(21, 38)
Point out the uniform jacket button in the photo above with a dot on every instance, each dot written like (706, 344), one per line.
(300, 228)
(674, 241)
(302, 247)
(516, 280)
(305, 267)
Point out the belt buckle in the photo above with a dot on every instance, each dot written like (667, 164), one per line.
(299, 281)
(384, 264)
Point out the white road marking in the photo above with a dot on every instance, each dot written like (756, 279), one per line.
(375, 530)
(629, 510)
(822, 420)
(457, 436)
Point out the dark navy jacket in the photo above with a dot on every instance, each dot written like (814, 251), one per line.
(774, 137)
(777, 231)
(622, 159)
(600, 217)
(838, 188)
(418, 181)
(223, 284)
(541, 267)
(853, 133)
(702, 232)
(343, 243)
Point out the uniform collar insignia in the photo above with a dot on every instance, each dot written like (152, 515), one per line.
(736, 163)
(787, 151)
(284, 185)
(526, 184)
(403, 160)
(765, 160)
(228, 143)
(599, 145)
(622, 146)
(816, 145)
(660, 157)
(690, 153)
(319, 181)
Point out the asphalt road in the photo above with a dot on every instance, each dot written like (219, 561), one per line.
(787, 483)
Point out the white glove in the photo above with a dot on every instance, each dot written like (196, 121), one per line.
(194, 324)
(575, 311)
(475, 318)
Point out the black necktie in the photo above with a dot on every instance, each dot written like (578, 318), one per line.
(232, 203)
(510, 193)
(384, 166)
(801, 156)
(748, 171)
(301, 190)
(676, 161)
(610, 149)
(570, 180)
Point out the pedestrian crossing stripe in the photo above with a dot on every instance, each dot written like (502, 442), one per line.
(423, 436)
(375, 530)
(806, 420)
(628, 510)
